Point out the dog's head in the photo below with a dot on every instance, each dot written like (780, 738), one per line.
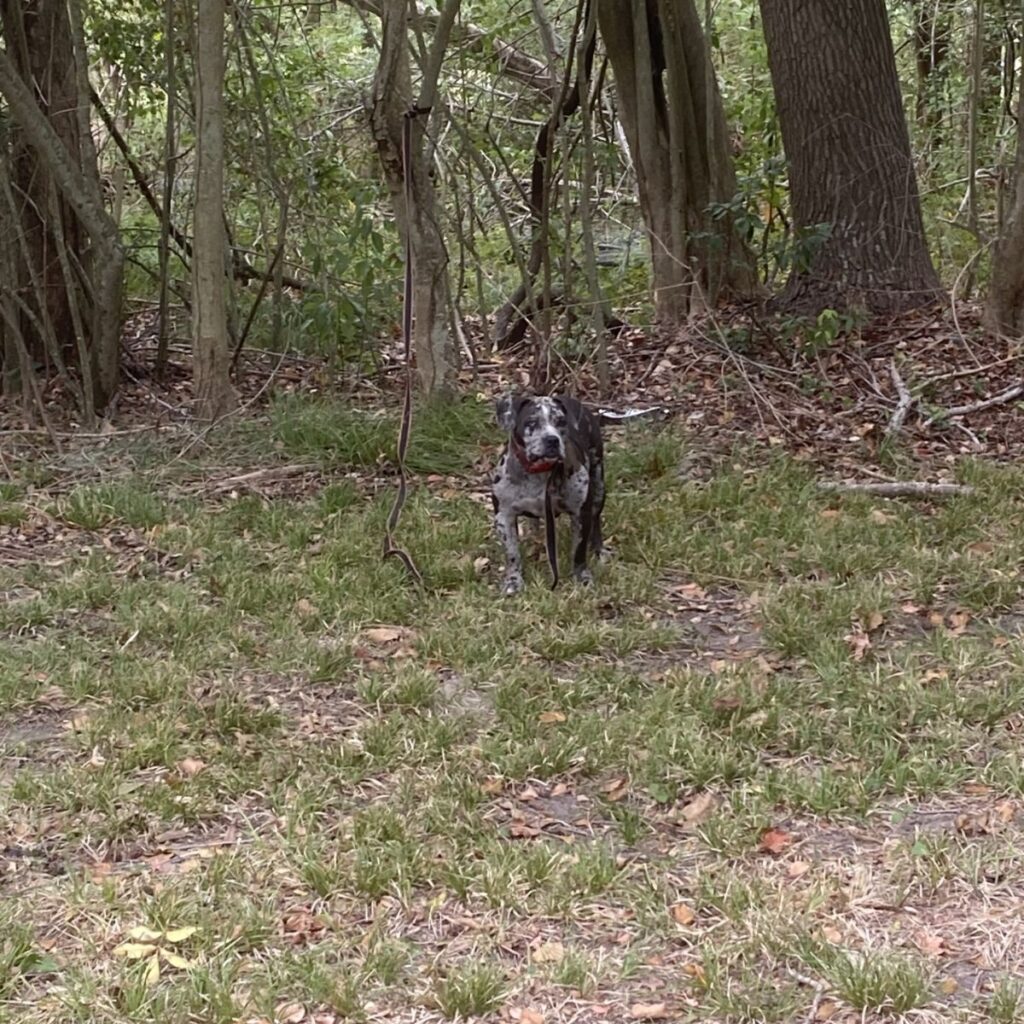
(538, 427)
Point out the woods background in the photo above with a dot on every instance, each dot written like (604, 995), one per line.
(232, 173)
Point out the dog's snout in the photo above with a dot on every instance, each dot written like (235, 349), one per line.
(552, 445)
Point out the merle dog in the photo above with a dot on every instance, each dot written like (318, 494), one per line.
(553, 463)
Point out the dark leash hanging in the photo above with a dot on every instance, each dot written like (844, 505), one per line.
(550, 540)
(390, 548)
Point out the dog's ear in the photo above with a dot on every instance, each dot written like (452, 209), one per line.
(506, 408)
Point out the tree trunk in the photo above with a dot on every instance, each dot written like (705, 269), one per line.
(214, 395)
(63, 249)
(1004, 310)
(433, 347)
(848, 152)
(671, 109)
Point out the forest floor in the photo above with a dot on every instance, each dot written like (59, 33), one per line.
(767, 769)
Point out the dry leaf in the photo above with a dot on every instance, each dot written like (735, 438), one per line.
(305, 607)
(958, 621)
(616, 789)
(832, 934)
(480, 565)
(548, 953)
(134, 950)
(550, 717)
(699, 808)
(682, 914)
(648, 1011)
(948, 986)
(190, 766)
(290, 1013)
(181, 934)
(775, 841)
(527, 1016)
(830, 513)
(383, 635)
(826, 1010)
(152, 974)
(797, 868)
(858, 642)
(492, 786)
(140, 933)
(175, 960)
(930, 944)
(875, 619)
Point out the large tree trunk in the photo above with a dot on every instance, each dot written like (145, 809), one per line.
(849, 158)
(435, 353)
(1004, 310)
(675, 126)
(214, 395)
(64, 253)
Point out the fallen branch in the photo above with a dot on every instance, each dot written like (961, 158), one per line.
(263, 476)
(906, 400)
(965, 410)
(898, 488)
(819, 987)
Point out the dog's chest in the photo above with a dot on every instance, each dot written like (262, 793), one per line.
(523, 493)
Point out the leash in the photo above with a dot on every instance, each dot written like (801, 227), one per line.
(390, 548)
(550, 539)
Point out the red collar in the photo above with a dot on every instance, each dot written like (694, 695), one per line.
(519, 451)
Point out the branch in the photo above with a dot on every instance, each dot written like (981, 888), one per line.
(902, 407)
(512, 61)
(242, 270)
(965, 410)
(899, 489)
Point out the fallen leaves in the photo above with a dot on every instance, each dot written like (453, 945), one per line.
(649, 1011)
(776, 841)
(548, 953)
(152, 946)
(699, 809)
(683, 914)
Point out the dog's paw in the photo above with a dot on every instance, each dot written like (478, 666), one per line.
(512, 585)
(606, 554)
(583, 577)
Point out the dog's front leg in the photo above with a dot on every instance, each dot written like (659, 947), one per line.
(506, 525)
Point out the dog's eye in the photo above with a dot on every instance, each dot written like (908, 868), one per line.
(531, 424)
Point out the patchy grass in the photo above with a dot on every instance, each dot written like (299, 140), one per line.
(769, 763)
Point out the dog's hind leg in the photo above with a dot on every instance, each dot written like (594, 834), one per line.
(582, 524)
(597, 494)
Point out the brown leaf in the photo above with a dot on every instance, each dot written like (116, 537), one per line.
(305, 608)
(648, 1011)
(699, 808)
(615, 790)
(550, 717)
(726, 703)
(682, 914)
(948, 986)
(527, 1016)
(958, 621)
(385, 634)
(548, 953)
(797, 868)
(859, 643)
(930, 944)
(290, 1013)
(189, 766)
(875, 619)
(826, 1010)
(776, 841)
(492, 786)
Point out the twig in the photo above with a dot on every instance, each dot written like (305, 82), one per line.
(965, 410)
(906, 400)
(265, 475)
(820, 988)
(898, 488)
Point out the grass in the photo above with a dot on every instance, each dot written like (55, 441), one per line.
(224, 712)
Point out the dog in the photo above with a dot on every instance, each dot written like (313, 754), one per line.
(553, 462)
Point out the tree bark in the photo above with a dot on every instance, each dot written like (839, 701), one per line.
(435, 352)
(214, 395)
(675, 126)
(64, 248)
(848, 152)
(1004, 310)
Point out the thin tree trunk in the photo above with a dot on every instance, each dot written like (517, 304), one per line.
(435, 351)
(214, 395)
(677, 136)
(167, 203)
(848, 151)
(1004, 310)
